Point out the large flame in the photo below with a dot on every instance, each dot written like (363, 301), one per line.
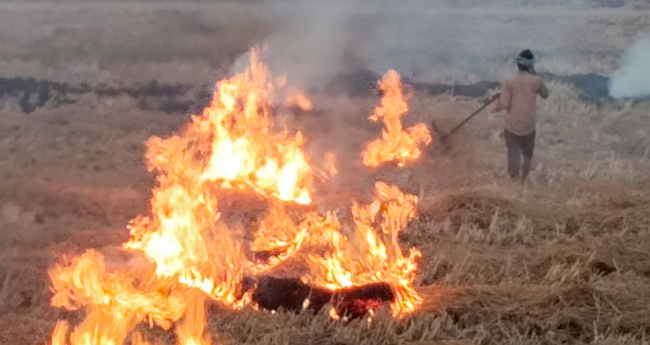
(244, 150)
(189, 254)
(396, 144)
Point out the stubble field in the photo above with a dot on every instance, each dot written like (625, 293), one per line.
(564, 259)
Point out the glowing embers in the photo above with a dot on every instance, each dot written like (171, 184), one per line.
(294, 295)
(396, 144)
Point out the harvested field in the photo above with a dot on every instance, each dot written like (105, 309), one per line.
(563, 259)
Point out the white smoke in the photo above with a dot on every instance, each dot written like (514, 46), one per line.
(312, 40)
(423, 40)
(309, 39)
(633, 78)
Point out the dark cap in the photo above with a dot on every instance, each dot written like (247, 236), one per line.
(526, 54)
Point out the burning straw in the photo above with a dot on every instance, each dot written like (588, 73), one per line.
(396, 144)
(191, 254)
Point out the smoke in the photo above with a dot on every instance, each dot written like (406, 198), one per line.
(316, 39)
(633, 78)
(423, 40)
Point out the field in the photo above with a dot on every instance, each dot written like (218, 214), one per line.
(563, 259)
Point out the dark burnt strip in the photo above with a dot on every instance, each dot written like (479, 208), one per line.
(31, 94)
(362, 83)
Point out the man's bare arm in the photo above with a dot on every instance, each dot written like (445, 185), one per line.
(543, 90)
(504, 101)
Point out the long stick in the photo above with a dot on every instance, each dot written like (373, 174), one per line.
(473, 114)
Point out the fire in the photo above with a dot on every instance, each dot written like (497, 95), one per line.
(278, 234)
(370, 254)
(60, 333)
(298, 100)
(244, 151)
(330, 164)
(185, 254)
(115, 302)
(396, 144)
(333, 314)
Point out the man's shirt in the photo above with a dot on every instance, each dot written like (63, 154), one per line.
(519, 99)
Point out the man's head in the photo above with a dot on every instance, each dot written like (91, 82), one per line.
(526, 61)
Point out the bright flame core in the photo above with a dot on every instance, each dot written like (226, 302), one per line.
(244, 150)
(188, 253)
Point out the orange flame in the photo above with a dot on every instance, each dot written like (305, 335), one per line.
(299, 100)
(244, 150)
(280, 235)
(115, 301)
(371, 255)
(60, 333)
(330, 164)
(188, 253)
(230, 145)
(395, 145)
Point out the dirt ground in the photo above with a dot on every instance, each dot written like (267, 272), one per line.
(564, 259)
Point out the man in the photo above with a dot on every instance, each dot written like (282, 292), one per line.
(518, 98)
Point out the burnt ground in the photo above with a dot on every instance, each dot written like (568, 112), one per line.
(30, 94)
(592, 87)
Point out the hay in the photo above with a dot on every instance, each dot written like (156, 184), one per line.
(554, 263)
(576, 271)
(578, 312)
